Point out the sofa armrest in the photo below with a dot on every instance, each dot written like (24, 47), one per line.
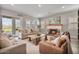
(19, 48)
(46, 48)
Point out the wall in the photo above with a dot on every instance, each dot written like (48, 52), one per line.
(69, 20)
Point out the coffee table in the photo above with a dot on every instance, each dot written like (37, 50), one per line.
(35, 39)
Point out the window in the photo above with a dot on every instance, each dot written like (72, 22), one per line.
(17, 27)
(28, 24)
(32, 24)
(7, 25)
(17, 24)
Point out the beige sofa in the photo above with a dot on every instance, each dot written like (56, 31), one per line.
(48, 48)
(10, 46)
(14, 49)
(25, 33)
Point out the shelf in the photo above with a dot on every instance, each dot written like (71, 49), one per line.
(74, 23)
(55, 25)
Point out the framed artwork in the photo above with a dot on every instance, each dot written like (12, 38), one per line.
(55, 20)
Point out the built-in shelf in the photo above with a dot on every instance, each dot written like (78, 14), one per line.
(74, 23)
(73, 29)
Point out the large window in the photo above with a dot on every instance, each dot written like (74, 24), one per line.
(17, 24)
(7, 24)
(32, 24)
(18, 27)
(28, 24)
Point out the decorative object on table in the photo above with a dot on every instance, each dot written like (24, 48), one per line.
(46, 37)
(38, 34)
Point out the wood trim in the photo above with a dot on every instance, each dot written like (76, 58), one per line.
(55, 25)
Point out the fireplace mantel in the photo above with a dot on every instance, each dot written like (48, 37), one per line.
(55, 26)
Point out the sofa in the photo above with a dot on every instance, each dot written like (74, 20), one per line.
(25, 33)
(14, 49)
(9, 46)
(49, 48)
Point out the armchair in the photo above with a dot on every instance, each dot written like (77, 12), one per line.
(49, 48)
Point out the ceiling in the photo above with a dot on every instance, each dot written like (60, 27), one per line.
(42, 10)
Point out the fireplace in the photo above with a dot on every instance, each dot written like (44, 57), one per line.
(55, 28)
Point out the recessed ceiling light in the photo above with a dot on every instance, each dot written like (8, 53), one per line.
(63, 7)
(39, 5)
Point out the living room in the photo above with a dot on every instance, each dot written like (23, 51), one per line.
(31, 28)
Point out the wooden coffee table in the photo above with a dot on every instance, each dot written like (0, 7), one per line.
(35, 39)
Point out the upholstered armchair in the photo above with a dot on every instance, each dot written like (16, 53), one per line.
(49, 48)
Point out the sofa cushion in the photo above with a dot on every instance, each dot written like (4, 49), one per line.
(4, 42)
(56, 41)
(62, 40)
